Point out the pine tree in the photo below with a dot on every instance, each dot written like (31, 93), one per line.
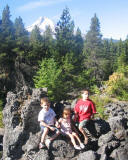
(119, 47)
(93, 36)
(49, 42)
(113, 55)
(35, 36)
(106, 48)
(0, 26)
(64, 33)
(107, 63)
(1, 33)
(126, 49)
(94, 49)
(79, 42)
(122, 64)
(7, 55)
(122, 59)
(19, 28)
(7, 25)
(21, 38)
(36, 47)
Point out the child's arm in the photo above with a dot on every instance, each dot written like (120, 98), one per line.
(46, 125)
(76, 112)
(57, 124)
(75, 117)
(93, 110)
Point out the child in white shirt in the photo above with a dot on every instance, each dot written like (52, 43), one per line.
(47, 120)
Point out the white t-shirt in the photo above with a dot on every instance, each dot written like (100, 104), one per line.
(47, 116)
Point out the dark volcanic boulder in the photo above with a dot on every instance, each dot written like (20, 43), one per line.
(108, 140)
(90, 155)
(20, 120)
(22, 132)
(60, 148)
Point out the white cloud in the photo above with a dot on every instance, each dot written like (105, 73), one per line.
(40, 3)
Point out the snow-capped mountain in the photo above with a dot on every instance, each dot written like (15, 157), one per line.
(42, 23)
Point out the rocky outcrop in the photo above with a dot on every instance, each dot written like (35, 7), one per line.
(16, 76)
(108, 140)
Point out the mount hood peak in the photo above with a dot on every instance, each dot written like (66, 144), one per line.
(42, 23)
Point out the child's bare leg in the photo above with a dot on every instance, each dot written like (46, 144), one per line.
(54, 136)
(48, 141)
(45, 132)
(72, 139)
(76, 136)
(84, 134)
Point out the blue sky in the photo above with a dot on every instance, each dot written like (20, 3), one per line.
(112, 14)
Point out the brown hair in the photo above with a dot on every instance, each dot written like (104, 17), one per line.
(45, 100)
(85, 90)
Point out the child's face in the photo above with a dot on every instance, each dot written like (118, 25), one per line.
(66, 115)
(45, 106)
(85, 95)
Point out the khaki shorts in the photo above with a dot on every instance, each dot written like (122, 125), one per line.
(83, 123)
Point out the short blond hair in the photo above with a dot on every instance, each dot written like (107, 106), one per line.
(45, 100)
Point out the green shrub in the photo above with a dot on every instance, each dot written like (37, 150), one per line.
(51, 76)
(94, 89)
(117, 86)
(100, 102)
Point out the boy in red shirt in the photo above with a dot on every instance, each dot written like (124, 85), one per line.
(84, 110)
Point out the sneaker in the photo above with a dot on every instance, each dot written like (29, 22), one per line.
(47, 142)
(77, 147)
(82, 146)
(41, 145)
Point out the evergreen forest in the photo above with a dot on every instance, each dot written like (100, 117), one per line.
(64, 61)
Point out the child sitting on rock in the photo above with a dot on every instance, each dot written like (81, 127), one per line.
(66, 129)
(47, 120)
(84, 110)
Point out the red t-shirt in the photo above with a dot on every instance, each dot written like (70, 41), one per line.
(84, 109)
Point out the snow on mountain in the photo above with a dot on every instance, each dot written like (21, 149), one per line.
(42, 23)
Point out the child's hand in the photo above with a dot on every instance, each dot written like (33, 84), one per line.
(92, 117)
(57, 125)
(75, 118)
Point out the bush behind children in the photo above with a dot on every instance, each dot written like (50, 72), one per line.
(84, 111)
